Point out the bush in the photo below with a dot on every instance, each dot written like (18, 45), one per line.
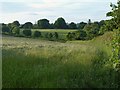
(16, 31)
(56, 35)
(71, 36)
(50, 35)
(27, 32)
(46, 35)
(36, 34)
(5, 29)
(102, 30)
(82, 35)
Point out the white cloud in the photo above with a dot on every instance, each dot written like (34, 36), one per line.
(46, 4)
(23, 17)
(71, 10)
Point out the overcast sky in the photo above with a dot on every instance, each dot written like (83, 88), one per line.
(71, 10)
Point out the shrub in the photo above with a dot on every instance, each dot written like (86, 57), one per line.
(50, 35)
(81, 35)
(46, 35)
(16, 31)
(27, 32)
(5, 29)
(56, 35)
(102, 31)
(36, 34)
(71, 36)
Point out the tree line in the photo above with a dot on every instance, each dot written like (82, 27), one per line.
(86, 31)
(60, 23)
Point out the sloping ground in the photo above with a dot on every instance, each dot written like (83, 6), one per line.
(45, 64)
(106, 38)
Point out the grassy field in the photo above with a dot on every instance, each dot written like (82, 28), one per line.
(29, 63)
(62, 33)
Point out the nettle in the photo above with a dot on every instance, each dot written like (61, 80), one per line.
(115, 14)
(116, 50)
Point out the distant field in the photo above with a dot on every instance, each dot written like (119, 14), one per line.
(56, 30)
(35, 63)
(61, 32)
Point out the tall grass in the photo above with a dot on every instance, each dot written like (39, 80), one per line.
(46, 64)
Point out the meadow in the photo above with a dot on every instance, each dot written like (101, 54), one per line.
(61, 32)
(36, 63)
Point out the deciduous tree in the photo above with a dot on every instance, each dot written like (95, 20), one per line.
(43, 24)
(60, 23)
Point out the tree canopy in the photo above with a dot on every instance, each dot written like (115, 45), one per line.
(28, 25)
(72, 25)
(81, 25)
(60, 24)
(43, 24)
(16, 23)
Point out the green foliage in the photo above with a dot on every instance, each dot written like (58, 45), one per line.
(14, 27)
(50, 35)
(16, 23)
(16, 31)
(56, 35)
(101, 31)
(52, 26)
(110, 25)
(11, 26)
(71, 36)
(36, 34)
(5, 29)
(46, 35)
(82, 35)
(27, 25)
(101, 23)
(72, 25)
(92, 30)
(116, 55)
(116, 50)
(78, 35)
(60, 24)
(106, 26)
(43, 24)
(81, 25)
(115, 13)
(27, 32)
(89, 31)
(35, 26)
